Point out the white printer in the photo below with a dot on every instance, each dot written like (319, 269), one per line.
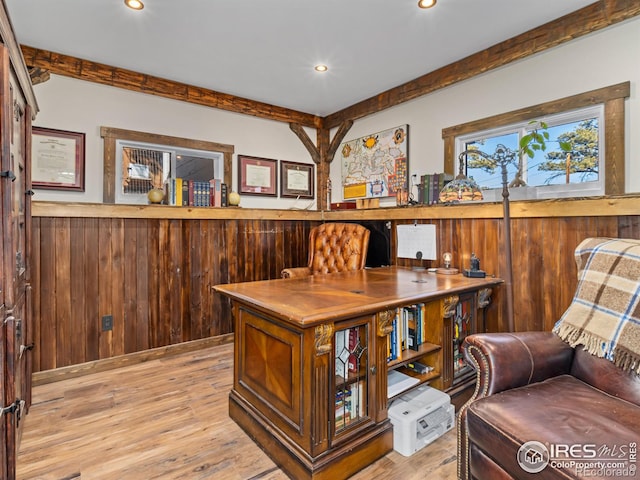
(420, 417)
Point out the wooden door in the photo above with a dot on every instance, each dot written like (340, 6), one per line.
(15, 128)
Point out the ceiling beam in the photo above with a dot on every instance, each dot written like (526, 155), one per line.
(589, 19)
(87, 70)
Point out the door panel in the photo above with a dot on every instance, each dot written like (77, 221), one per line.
(3, 374)
(15, 331)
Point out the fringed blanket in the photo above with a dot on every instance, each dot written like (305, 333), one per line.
(604, 315)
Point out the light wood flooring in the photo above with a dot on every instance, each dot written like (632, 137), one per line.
(168, 419)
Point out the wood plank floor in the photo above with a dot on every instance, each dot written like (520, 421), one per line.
(168, 419)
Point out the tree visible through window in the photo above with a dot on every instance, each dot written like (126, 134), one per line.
(581, 164)
(552, 168)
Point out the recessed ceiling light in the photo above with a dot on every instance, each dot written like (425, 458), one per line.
(134, 4)
(321, 68)
(426, 3)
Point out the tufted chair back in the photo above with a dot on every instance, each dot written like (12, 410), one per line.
(334, 247)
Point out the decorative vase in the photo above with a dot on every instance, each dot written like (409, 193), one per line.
(233, 199)
(155, 195)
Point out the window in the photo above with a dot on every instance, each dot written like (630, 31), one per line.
(135, 162)
(580, 116)
(551, 173)
(144, 166)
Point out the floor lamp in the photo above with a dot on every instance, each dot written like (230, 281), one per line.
(502, 156)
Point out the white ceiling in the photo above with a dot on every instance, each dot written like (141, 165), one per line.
(265, 50)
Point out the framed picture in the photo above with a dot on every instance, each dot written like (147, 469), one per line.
(376, 165)
(57, 159)
(296, 179)
(257, 176)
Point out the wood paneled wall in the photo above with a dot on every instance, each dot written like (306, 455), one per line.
(544, 269)
(155, 275)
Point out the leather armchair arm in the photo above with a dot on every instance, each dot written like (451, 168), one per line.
(509, 360)
(504, 361)
(296, 272)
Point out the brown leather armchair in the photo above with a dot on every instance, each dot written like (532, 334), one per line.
(545, 409)
(334, 247)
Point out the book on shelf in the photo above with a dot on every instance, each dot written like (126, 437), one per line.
(357, 400)
(185, 193)
(411, 314)
(223, 195)
(392, 340)
(178, 191)
(422, 316)
(216, 192)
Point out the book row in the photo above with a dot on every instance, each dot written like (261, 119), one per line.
(408, 330)
(193, 193)
(350, 404)
(430, 187)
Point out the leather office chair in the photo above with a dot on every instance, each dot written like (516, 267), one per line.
(334, 247)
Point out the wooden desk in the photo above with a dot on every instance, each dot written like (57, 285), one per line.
(320, 414)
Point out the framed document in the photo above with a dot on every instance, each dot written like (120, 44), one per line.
(257, 176)
(296, 179)
(57, 159)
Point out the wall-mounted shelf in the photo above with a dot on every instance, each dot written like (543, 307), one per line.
(590, 207)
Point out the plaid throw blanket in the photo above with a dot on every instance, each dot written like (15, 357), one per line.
(604, 315)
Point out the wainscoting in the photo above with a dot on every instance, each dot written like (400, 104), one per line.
(154, 275)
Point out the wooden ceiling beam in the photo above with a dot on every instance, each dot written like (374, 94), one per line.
(87, 70)
(591, 18)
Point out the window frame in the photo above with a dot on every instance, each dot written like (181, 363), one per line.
(592, 188)
(173, 153)
(613, 99)
(111, 137)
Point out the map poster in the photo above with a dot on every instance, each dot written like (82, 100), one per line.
(376, 165)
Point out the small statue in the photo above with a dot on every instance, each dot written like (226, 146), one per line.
(475, 263)
(474, 270)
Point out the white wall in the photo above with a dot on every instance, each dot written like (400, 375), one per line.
(598, 60)
(75, 105)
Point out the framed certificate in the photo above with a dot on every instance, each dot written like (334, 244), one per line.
(57, 159)
(257, 176)
(296, 179)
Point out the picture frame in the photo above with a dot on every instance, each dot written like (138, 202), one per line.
(57, 159)
(257, 176)
(376, 165)
(297, 179)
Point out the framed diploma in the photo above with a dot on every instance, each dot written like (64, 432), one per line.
(257, 176)
(296, 179)
(57, 159)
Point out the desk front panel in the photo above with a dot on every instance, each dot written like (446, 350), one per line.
(269, 368)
